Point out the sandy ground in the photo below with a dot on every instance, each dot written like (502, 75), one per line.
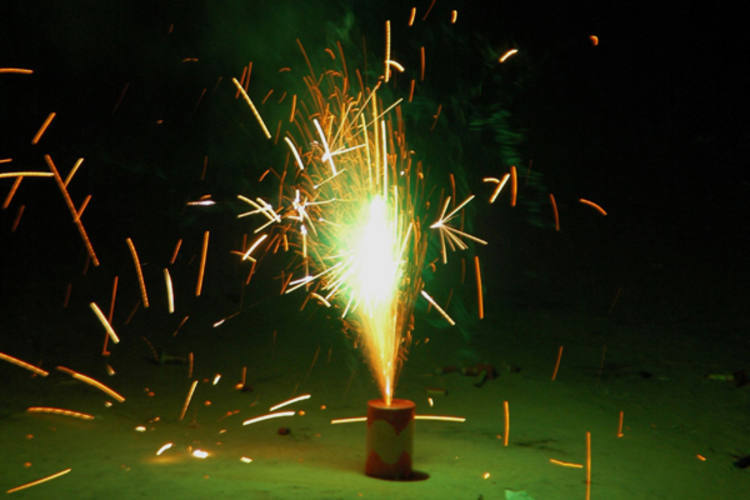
(672, 413)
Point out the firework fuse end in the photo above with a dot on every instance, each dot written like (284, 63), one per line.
(390, 438)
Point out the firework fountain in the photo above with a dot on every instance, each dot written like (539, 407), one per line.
(351, 211)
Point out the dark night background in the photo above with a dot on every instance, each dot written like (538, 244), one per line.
(651, 124)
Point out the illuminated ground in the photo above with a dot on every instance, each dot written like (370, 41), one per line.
(648, 302)
(672, 413)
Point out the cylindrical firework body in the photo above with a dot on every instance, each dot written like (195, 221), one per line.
(390, 438)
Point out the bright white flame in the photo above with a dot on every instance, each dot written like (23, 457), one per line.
(375, 254)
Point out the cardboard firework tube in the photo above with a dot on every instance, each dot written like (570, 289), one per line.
(390, 438)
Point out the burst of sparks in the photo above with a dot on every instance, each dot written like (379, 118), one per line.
(451, 234)
(348, 211)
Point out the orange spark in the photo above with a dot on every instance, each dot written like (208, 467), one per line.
(44, 126)
(500, 184)
(112, 298)
(268, 416)
(187, 399)
(434, 123)
(700, 457)
(454, 16)
(164, 448)
(557, 363)
(12, 191)
(170, 291)
(592, 204)
(619, 426)
(565, 464)
(265, 98)
(39, 481)
(84, 204)
(506, 410)
(182, 322)
(252, 108)
(139, 272)
(429, 9)
(242, 81)
(23, 364)
(93, 383)
(107, 326)
(66, 301)
(479, 287)
(120, 98)
(411, 89)
(199, 285)
(176, 251)
(294, 108)
(72, 209)
(395, 64)
(387, 50)
(205, 167)
(588, 465)
(440, 418)
(59, 411)
(438, 308)
(412, 15)
(348, 420)
(289, 402)
(17, 220)
(509, 53)
(554, 210)
(594, 40)
(513, 186)
(30, 173)
(5, 160)
(421, 63)
(17, 71)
